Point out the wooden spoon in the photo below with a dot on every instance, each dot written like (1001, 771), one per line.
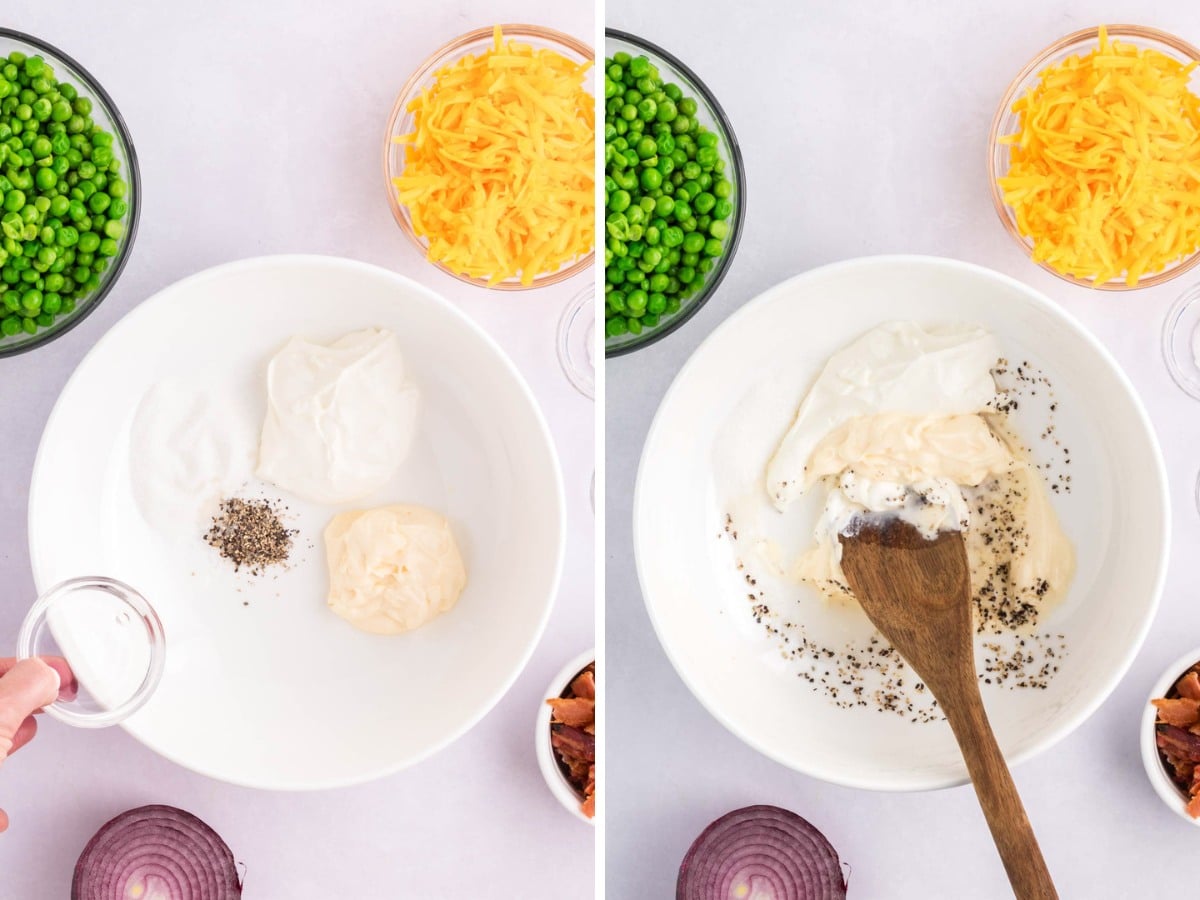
(917, 592)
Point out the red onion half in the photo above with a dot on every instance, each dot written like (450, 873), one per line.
(156, 853)
(761, 853)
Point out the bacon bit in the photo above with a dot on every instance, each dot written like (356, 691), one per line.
(585, 685)
(1180, 749)
(1189, 686)
(573, 735)
(1180, 712)
(581, 712)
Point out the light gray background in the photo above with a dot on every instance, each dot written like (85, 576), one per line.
(864, 129)
(260, 127)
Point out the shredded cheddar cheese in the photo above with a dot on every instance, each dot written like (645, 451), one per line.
(1105, 167)
(499, 170)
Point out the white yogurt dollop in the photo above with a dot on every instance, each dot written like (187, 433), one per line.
(184, 454)
(340, 417)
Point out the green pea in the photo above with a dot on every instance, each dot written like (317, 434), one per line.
(616, 326)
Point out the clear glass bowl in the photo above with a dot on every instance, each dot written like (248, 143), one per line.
(709, 114)
(400, 122)
(1181, 342)
(105, 113)
(111, 638)
(1006, 122)
(577, 342)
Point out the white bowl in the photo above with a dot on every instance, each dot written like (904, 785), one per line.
(547, 761)
(1170, 794)
(264, 686)
(719, 423)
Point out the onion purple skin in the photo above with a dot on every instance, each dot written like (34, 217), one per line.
(168, 852)
(764, 851)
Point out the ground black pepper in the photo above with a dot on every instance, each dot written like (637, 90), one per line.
(251, 533)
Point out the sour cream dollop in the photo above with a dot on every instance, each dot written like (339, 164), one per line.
(340, 417)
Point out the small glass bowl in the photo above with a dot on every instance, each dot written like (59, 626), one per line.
(400, 123)
(1181, 342)
(552, 771)
(1006, 122)
(105, 114)
(111, 638)
(709, 114)
(577, 342)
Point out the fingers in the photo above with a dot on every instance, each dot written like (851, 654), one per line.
(25, 687)
(25, 734)
(3, 821)
(68, 685)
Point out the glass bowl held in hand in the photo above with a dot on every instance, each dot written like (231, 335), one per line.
(111, 639)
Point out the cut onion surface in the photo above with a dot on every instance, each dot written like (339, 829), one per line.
(761, 853)
(156, 853)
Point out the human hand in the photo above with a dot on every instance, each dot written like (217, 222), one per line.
(25, 687)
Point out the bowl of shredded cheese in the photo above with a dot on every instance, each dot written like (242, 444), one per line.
(489, 157)
(1094, 157)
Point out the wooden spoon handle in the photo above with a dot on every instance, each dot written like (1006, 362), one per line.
(999, 799)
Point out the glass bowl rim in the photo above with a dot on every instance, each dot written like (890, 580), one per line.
(1011, 92)
(1175, 368)
(133, 175)
(399, 110)
(573, 309)
(739, 171)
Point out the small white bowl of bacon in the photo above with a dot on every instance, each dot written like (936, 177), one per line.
(565, 736)
(1171, 737)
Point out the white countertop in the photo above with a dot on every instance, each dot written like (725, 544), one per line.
(864, 130)
(259, 130)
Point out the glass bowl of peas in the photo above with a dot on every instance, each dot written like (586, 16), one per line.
(69, 193)
(674, 193)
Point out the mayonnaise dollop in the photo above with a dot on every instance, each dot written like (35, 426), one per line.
(392, 569)
(340, 417)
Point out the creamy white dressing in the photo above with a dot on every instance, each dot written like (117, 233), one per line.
(899, 367)
(902, 423)
(340, 417)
